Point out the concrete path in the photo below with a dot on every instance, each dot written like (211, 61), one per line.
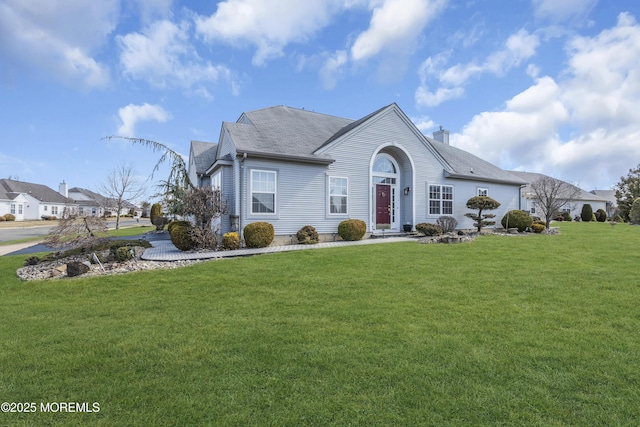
(163, 250)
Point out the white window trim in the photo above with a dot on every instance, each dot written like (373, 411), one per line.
(329, 196)
(440, 200)
(275, 193)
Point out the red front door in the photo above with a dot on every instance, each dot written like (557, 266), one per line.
(383, 206)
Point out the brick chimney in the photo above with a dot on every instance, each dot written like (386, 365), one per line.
(441, 135)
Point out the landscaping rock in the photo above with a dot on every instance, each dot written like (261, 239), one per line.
(75, 268)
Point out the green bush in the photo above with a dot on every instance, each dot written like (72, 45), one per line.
(567, 216)
(307, 235)
(538, 228)
(230, 241)
(9, 217)
(181, 235)
(587, 212)
(618, 218)
(258, 234)
(601, 215)
(517, 219)
(634, 213)
(123, 254)
(352, 229)
(429, 229)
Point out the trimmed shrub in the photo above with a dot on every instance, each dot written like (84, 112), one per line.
(447, 223)
(230, 241)
(32, 260)
(587, 212)
(181, 235)
(618, 218)
(307, 235)
(352, 229)
(429, 229)
(537, 228)
(2, 218)
(634, 213)
(9, 217)
(258, 234)
(601, 215)
(566, 216)
(517, 219)
(123, 254)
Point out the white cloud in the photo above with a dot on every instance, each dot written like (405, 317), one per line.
(57, 38)
(132, 114)
(395, 25)
(424, 123)
(584, 127)
(558, 11)
(332, 68)
(518, 48)
(269, 25)
(163, 56)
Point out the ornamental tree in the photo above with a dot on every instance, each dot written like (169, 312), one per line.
(481, 203)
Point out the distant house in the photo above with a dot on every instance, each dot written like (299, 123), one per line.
(293, 167)
(28, 201)
(94, 204)
(573, 207)
(612, 202)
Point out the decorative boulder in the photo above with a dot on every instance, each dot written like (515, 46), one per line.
(75, 268)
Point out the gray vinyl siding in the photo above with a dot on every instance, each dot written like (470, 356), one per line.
(300, 196)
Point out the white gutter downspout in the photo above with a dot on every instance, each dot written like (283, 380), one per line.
(239, 182)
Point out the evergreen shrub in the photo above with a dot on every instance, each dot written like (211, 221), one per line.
(352, 229)
(230, 241)
(429, 229)
(9, 217)
(181, 235)
(258, 234)
(307, 235)
(634, 213)
(517, 219)
(587, 212)
(537, 227)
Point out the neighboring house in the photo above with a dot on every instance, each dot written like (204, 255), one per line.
(292, 168)
(201, 157)
(612, 202)
(573, 207)
(94, 204)
(29, 201)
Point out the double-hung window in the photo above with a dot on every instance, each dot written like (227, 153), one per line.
(263, 192)
(338, 195)
(440, 200)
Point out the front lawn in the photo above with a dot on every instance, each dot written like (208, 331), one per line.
(535, 330)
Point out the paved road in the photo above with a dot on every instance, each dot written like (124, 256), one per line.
(18, 233)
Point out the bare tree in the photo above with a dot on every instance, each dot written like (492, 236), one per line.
(204, 205)
(121, 186)
(551, 195)
(77, 232)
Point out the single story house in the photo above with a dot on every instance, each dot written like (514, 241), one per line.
(29, 201)
(573, 207)
(93, 204)
(293, 167)
(612, 202)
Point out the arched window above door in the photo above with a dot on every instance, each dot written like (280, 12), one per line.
(383, 164)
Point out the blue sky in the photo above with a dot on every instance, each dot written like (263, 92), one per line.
(535, 85)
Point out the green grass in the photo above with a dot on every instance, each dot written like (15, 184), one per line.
(123, 232)
(539, 330)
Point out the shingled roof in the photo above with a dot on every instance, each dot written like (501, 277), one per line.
(285, 132)
(530, 177)
(11, 188)
(465, 165)
(204, 154)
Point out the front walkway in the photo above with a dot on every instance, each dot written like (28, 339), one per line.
(164, 250)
